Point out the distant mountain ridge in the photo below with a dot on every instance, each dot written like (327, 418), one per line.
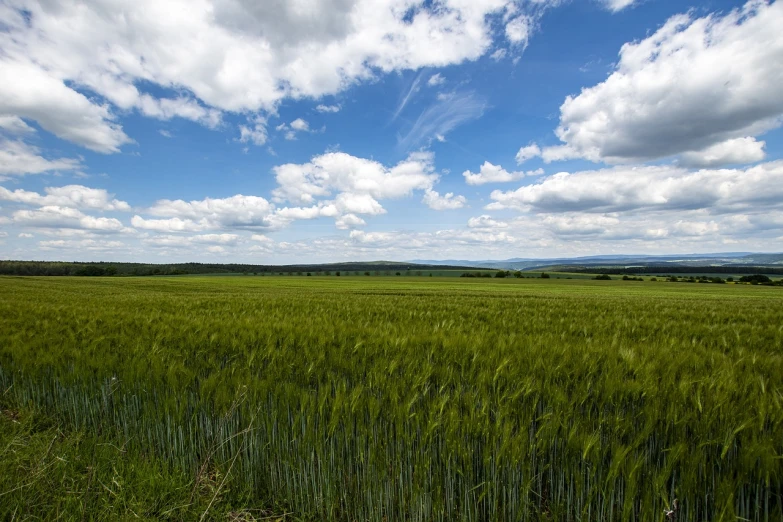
(722, 259)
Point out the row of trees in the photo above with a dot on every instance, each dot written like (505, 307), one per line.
(500, 274)
(755, 279)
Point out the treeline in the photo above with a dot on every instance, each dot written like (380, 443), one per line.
(98, 269)
(635, 270)
(500, 274)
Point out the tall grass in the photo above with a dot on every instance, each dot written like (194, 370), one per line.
(422, 400)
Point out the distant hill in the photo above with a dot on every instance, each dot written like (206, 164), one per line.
(729, 262)
(725, 259)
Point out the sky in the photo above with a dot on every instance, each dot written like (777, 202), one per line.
(294, 131)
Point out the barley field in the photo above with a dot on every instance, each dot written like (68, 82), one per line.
(389, 399)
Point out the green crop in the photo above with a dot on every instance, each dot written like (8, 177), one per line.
(418, 399)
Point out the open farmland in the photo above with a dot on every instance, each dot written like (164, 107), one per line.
(373, 398)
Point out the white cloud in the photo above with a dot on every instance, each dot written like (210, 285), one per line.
(436, 79)
(657, 188)
(165, 133)
(499, 54)
(334, 185)
(174, 224)
(65, 217)
(527, 152)
(328, 108)
(290, 130)
(261, 238)
(215, 239)
(490, 173)
(358, 203)
(29, 91)
(25, 235)
(485, 221)
(693, 84)
(338, 184)
(15, 125)
(234, 212)
(439, 119)
(407, 94)
(99, 245)
(338, 172)
(218, 55)
(518, 31)
(736, 151)
(618, 5)
(71, 196)
(442, 241)
(446, 202)
(182, 107)
(689, 228)
(349, 221)
(18, 158)
(213, 243)
(300, 125)
(254, 131)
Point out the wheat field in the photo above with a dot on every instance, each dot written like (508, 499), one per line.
(389, 399)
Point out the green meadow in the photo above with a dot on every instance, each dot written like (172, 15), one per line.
(396, 398)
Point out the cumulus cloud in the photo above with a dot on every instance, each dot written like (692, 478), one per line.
(694, 87)
(490, 173)
(17, 158)
(349, 221)
(254, 132)
(236, 211)
(52, 216)
(29, 91)
(485, 221)
(447, 201)
(338, 172)
(174, 224)
(737, 151)
(300, 125)
(333, 185)
(218, 55)
(654, 188)
(528, 152)
(290, 130)
(15, 125)
(71, 196)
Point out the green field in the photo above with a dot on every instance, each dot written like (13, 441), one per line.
(389, 399)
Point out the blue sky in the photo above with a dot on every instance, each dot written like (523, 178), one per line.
(330, 130)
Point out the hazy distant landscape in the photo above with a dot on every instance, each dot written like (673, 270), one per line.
(736, 263)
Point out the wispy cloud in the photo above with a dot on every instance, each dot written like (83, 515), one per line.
(409, 92)
(443, 116)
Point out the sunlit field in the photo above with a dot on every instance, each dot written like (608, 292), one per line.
(389, 399)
